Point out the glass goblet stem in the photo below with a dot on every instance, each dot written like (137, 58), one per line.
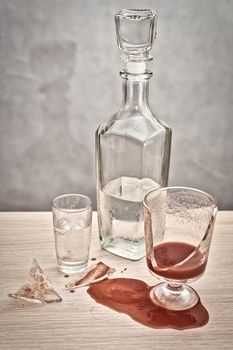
(174, 296)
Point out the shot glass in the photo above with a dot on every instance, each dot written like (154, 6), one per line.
(72, 218)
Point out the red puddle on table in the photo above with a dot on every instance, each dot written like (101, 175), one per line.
(132, 297)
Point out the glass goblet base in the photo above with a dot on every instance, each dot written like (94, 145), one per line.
(175, 297)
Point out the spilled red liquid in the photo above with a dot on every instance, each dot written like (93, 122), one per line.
(132, 297)
(169, 254)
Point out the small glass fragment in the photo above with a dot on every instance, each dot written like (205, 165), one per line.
(38, 288)
(94, 274)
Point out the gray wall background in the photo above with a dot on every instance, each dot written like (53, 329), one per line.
(59, 79)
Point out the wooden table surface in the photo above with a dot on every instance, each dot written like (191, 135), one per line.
(78, 322)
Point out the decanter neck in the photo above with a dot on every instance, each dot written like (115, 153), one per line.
(135, 92)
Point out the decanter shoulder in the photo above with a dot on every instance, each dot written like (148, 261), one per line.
(106, 125)
(137, 125)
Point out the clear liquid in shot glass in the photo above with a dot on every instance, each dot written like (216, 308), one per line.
(72, 240)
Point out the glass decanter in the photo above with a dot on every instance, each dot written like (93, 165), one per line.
(133, 146)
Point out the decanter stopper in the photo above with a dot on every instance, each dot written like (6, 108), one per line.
(136, 31)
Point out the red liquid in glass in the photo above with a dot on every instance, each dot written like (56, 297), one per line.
(132, 297)
(169, 254)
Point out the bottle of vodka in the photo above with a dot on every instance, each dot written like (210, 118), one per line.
(133, 146)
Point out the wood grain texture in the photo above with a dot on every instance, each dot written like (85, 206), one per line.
(78, 322)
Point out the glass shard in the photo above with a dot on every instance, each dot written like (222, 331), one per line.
(94, 274)
(38, 288)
